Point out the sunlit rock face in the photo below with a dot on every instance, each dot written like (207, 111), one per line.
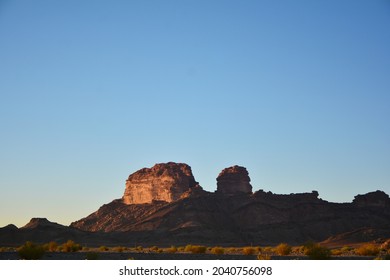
(163, 182)
(234, 180)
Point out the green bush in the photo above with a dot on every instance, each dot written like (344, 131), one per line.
(283, 249)
(248, 250)
(217, 251)
(317, 252)
(367, 250)
(31, 251)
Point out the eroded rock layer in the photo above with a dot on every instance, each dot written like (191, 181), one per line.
(233, 180)
(163, 182)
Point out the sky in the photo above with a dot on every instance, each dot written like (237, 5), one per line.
(298, 92)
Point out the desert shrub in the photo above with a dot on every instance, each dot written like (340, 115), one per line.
(195, 249)
(188, 248)
(217, 251)
(367, 250)
(248, 250)
(172, 250)
(52, 246)
(263, 256)
(283, 249)
(268, 249)
(119, 249)
(336, 252)
(70, 246)
(231, 250)
(317, 252)
(31, 251)
(139, 248)
(385, 245)
(7, 249)
(298, 250)
(92, 256)
(103, 248)
(346, 249)
(180, 249)
(153, 248)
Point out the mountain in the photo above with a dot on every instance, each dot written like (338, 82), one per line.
(164, 205)
(182, 212)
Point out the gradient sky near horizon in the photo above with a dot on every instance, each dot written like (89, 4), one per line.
(298, 92)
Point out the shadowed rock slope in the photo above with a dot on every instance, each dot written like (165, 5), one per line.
(235, 215)
(164, 206)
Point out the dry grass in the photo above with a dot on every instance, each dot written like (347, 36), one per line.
(171, 250)
(217, 251)
(283, 249)
(367, 250)
(263, 256)
(317, 252)
(70, 246)
(248, 251)
(195, 249)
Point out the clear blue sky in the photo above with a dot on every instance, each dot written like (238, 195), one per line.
(298, 92)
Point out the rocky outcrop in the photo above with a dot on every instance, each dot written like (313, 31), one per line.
(196, 191)
(373, 199)
(165, 205)
(40, 222)
(163, 182)
(234, 180)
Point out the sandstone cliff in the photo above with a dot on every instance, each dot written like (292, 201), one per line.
(234, 180)
(163, 182)
(175, 207)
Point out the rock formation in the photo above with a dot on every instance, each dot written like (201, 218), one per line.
(165, 205)
(372, 199)
(163, 182)
(184, 212)
(233, 180)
